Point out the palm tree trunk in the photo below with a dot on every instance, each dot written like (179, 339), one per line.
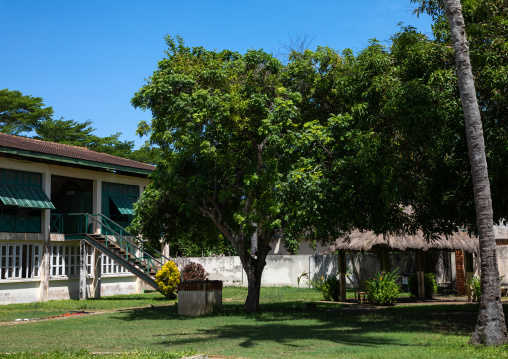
(490, 327)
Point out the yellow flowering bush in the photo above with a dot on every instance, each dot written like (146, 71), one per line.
(168, 278)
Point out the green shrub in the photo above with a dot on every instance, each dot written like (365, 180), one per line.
(383, 289)
(168, 278)
(475, 285)
(329, 287)
(429, 281)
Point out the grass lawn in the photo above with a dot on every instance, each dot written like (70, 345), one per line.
(284, 328)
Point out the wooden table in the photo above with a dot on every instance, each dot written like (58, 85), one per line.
(362, 297)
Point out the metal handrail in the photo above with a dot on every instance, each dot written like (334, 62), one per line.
(130, 235)
(130, 247)
(107, 219)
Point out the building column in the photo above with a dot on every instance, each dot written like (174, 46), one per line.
(342, 271)
(97, 274)
(420, 274)
(459, 272)
(46, 243)
(97, 203)
(82, 271)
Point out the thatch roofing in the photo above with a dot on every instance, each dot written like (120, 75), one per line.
(358, 241)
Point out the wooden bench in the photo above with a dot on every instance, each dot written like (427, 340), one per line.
(361, 297)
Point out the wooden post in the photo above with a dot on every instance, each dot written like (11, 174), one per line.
(82, 272)
(342, 271)
(97, 274)
(420, 274)
(468, 258)
(384, 260)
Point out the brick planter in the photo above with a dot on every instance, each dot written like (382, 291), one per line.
(199, 297)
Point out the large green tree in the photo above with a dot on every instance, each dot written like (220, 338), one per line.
(395, 136)
(233, 147)
(21, 113)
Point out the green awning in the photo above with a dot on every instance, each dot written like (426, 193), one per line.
(124, 204)
(24, 196)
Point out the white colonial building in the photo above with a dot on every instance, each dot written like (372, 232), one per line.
(61, 209)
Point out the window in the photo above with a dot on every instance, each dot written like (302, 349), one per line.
(89, 260)
(109, 266)
(64, 260)
(20, 261)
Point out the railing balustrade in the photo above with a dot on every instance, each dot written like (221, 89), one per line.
(87, 222)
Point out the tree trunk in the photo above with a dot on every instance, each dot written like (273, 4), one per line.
(254, 266)
(490, 327)
(254, 288)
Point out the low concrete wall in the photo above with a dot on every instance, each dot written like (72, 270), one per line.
(284, 270)
(12, 292)
(118, 285)
(19, 292)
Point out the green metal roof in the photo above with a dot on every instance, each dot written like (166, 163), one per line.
(124, 204)
(24, 196)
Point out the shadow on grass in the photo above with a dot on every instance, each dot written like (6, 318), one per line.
(138, 297)
(290, 323)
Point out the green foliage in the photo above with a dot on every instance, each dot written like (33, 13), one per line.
(475, 286)
(485, 23)
(193, 271)
(429, 281)
(246, 140)
(157, 214)
(168, 278)
(383, 288)
(21, 113)
(234, 149)
(329, 286)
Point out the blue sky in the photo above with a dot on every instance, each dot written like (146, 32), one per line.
(86, 59)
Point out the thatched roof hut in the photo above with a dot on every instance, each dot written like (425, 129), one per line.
(367, 241)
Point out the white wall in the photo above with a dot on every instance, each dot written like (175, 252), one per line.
(284, 270)
(19, 292)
